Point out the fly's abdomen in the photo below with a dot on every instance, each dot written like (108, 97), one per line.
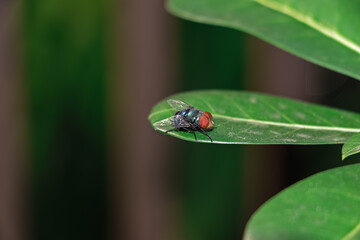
(180, 118)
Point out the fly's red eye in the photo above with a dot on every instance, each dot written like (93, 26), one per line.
(204, 121)
(208, 115)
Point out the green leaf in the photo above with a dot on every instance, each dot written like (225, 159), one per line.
(323, 32)
(351, 146)
(323, 206)
(250, 118)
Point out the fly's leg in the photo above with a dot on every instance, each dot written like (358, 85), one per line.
(190, 130)
(195, 136)
(205, 134)
(186, 129)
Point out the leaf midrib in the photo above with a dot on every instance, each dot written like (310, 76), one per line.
(352, 233)
(288, 125)
(308, 20)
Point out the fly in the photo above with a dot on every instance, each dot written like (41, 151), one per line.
(190, 119)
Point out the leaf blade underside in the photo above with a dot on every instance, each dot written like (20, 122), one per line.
(322, 32)
(351, 146)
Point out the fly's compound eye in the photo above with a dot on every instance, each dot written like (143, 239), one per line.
(205, 121)
(208, 115)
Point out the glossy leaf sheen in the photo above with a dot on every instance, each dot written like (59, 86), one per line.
(323, 206)
(351, 146)
(323, 32)
(251, 118)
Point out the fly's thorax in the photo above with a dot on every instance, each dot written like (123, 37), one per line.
(184, 113)
(193, 115)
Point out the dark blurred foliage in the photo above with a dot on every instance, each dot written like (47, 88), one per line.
(337, 91)
(211, 184)
(66, 76)
(65, 73)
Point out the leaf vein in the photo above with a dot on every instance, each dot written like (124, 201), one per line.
(279, 112)
(308, 20)
(319, 117)
(238, 107)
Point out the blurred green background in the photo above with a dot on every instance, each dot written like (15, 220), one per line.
(78, 158)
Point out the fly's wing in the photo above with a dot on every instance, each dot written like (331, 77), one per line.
(169, 124)
(165, 125)
(178, 105)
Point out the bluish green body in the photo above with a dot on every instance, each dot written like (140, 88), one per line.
(191, 115)
(190, 119)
